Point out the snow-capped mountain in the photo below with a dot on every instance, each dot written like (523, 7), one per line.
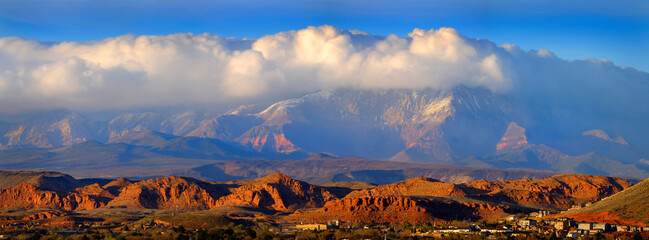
(464, 125)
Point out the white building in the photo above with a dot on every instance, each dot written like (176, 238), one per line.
(585, 226)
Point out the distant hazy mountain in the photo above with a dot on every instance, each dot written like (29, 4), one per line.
(178, 124)
(468, 126)
(137, 155)
(463, 125)
(52, 129)
(323, 169)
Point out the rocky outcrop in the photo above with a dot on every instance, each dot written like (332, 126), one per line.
(115, 187)
(45, 180)
(397, 209)
(278, 192)
(425, 199)
(29, 197)
(267, 139)
(416, 200)
(43, 215)
(378, 209)
(419, 186)
(173, 193)
(514, 138)
(556, 191)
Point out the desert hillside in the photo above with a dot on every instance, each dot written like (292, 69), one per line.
(628, 206)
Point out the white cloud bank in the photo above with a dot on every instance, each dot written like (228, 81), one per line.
(138, 71)
(184, 69)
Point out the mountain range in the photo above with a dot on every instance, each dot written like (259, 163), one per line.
(279, 196)
(468, 126)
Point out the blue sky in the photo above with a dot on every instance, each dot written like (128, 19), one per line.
(615, 30)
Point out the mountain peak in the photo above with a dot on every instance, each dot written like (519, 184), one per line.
(418, 186)
(279, 192)
(143, 138)
(278, 112)
(604, 136)
(275, 177)
(514, 138)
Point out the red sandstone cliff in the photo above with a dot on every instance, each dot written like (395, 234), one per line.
(278, 192)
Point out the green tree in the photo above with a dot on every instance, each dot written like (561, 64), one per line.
(406, 225)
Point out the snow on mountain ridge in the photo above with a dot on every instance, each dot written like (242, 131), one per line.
(277, 114)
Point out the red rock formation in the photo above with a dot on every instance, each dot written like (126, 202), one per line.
(392, 209)
(416, 200)
(397, 209)
(419, 186)
(43, 215)
(278, 192)
(115, 187)
(29, 196)
(555, 191)
(174, 193)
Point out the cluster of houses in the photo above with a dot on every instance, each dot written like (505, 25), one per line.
(333, 224)
(475, 229)
(579, 206)
(575, 228)
(562, 226)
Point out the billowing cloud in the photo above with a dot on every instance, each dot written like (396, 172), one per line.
(183, 69)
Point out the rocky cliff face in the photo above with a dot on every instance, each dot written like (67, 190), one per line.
(173, 193)
(387, 209)
(415, 200)
(555, 191)
(278, 192)
(514, 138)
(267, 139)
(397, 209)
(419, 186)
(424, 199)
(29, 196)
(116, 187)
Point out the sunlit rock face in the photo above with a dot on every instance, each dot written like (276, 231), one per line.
(417, 125)
(514, 138)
